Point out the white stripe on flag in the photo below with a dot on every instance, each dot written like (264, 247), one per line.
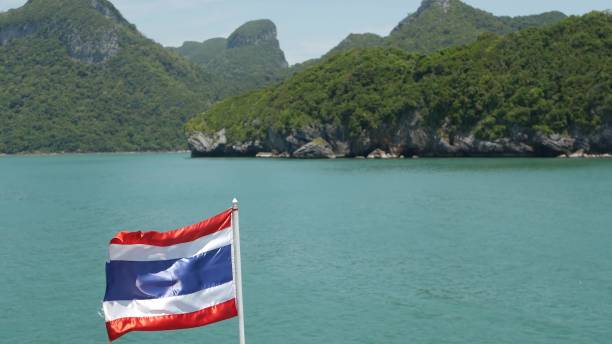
(146, 253)
(169, 305)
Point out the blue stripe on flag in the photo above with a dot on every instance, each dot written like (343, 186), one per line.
(130, 280)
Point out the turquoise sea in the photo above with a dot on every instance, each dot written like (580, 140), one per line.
(345, 251)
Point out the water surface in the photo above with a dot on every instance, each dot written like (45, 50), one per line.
(345, 251)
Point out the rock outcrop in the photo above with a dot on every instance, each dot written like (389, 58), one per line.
(428, 4)
(411, 138)
(315, 149)
(580, 154)
(105, 8)
(94, 44)
(202, 145)
(90, 50)
(268, 155)
(257, 32)
(381, 154)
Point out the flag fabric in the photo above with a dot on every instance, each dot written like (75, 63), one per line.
(172, 280)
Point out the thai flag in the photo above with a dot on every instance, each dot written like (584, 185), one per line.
(173, 280)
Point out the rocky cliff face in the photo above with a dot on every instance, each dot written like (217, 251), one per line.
(79, 47)
(93, 41)
(107, 9)
(409, 138)
(92, 51)
(16, 31)
(428, 4)
(253, 33)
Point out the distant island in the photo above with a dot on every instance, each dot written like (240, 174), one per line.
(449, 80)
(441, 24)
(248, 59)
(78, 77)
(537, 92)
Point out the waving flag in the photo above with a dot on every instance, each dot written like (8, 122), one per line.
(174, 280)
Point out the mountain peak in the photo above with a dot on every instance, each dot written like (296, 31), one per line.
(256, 32)
(91, 30)
(439, 24)
(103, 7)
(107, 9)
(428, 4)
(355, 40)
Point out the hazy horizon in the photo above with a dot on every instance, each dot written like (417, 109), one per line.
(172, 23)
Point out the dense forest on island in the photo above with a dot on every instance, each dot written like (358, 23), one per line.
(77, 77)
(536, 82)
(440, 24)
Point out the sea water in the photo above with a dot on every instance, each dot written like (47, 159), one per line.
(344, 251)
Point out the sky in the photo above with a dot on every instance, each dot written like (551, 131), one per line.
(307, 28)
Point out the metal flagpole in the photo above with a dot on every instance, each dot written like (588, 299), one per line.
(238, 274)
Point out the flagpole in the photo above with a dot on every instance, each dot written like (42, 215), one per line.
(236, 230)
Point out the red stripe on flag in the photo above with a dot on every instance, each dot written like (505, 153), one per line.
(177, 236)
(222, 311)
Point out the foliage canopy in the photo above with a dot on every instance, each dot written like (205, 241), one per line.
(65, 88)
(555, 79)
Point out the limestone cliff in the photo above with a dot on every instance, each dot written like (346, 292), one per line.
(257, 32)
(409, 138)
(89, 29)
(249, 58)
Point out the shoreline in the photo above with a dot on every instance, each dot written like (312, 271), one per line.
(93, 153)
(562, 157)
(284, 157)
